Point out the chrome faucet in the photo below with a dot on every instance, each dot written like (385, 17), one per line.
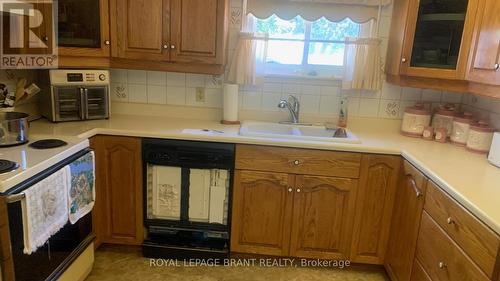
(293, 106)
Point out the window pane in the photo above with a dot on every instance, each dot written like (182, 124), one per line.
(326, 54)
(285, 52)
(324, 29)
(278, 28)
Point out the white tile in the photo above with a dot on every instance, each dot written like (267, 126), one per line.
(389, 109)
(403, 106)
(368, 107)
(272, 87)
(412, 94)
(252, 100)
(214, 81)
(329, 105)
(391, 91)
(157, 94)
(191, 97)
(119, 92)
(251, 88)
(213, 98)
(136, 77)
(270, 101)
(309, 103)
(118, 76)
(176, 79)
(291, 88)
(310, 90)
(330, 90)
(351, 93)
(365, 94)
(157, 78)
(452, 97)
(429, 95)
(353, 106)
(137, 93)
(195, 80)
(176, 95)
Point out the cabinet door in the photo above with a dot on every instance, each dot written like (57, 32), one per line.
(374, 205)
(117, 212)
(405, 223)
(198, 31)
(262, 206)
(418, 272)
(83, 28)
(323, 211)
(485, 55)
(140, 29)
(437, 38)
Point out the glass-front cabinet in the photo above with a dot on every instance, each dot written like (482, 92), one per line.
(437, 38)
(83, 28)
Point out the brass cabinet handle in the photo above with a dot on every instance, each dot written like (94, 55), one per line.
(410, 178)
(450, 221)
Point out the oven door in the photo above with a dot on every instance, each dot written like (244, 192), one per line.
(96, 102)
(68, 103)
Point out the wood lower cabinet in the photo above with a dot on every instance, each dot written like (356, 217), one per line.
(262, 208)
(118, 210)
(405, 223)
(418, 272)
(375, 201)
(323, 212)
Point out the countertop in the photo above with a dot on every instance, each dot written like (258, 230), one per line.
(466, 176)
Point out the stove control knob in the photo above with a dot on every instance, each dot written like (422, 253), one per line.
(102, 77)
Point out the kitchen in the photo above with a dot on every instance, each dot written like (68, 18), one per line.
(183, 139)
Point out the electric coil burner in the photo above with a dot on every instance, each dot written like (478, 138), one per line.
(7, 166)
(48, 143)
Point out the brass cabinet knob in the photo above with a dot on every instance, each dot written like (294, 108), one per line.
(107, 42)
(296, 162)
(165, 46)
(403, 60)
(298, 190)
(290, 189)
(172, 46)
(442, 265)
(497, 66)
(450, 221)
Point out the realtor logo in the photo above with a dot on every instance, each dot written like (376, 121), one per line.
(28, 30)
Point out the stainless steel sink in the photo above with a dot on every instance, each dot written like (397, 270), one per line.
(294, 132)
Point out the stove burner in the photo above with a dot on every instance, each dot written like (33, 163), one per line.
(7, 166)
(48, 143)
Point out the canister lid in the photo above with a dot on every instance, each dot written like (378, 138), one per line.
(482, 126)
(418, 109)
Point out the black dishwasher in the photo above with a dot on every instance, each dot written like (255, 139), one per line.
(187, 198)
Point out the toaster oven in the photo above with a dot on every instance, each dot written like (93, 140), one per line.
(74, 95)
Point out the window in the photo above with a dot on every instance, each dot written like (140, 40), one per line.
(301, 47)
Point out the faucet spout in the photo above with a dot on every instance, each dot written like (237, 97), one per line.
(293, 106)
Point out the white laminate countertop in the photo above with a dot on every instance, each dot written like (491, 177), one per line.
(466, 176)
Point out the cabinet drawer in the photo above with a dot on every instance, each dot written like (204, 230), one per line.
(476, 239)
(298, 161)
(441, 258)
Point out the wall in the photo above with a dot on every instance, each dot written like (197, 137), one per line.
(319, 98)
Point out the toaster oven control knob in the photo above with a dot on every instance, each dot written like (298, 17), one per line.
(102, 77)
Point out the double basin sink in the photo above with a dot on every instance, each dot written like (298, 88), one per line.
(295, 132)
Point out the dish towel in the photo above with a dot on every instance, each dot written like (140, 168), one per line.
(166, 192)
(199, 194)
(81, 195)
(45, 209)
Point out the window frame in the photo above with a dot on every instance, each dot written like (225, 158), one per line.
(305, 69)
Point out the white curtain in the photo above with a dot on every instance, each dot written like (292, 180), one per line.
(362, 64)
(359, 11)
(249, 62)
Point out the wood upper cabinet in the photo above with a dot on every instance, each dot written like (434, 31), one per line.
(177, 31)
(141, 29)
(118, 211)
(323, 211)
(430, 39)
(83, 28)
(262, 208)
(197, 31)
(405, 223)
(484, 60)
(375, 201)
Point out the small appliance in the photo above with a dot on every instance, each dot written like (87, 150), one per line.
(494, 156)
(72, 95)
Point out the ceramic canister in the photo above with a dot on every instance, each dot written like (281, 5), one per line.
(415, 119)
(461, 128)
(480, 137)
(444, 119)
